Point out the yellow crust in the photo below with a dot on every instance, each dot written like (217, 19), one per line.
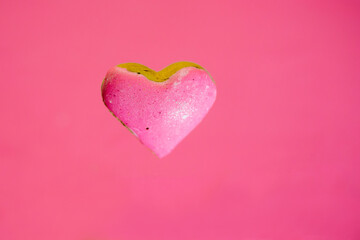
(160, 76)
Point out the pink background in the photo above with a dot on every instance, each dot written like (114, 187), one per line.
(276, 158)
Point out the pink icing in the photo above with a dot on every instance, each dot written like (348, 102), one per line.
(160, 114)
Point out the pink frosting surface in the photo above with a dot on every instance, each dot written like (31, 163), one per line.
(160, 114)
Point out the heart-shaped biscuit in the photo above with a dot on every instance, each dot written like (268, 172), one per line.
(160, 108)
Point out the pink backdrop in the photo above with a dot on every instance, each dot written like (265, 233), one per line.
(276, 158)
